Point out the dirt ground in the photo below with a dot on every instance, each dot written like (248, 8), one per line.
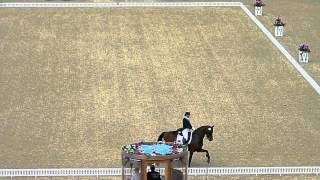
(303, 25)
(77, 84)
(302, 18)
(96, 79)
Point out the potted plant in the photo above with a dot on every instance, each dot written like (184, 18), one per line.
(278, 23)
(304, 51)
(259, 3)
(258, 7)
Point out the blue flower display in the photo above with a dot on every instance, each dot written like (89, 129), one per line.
(146, 149)
(154, 149)
(161, 149)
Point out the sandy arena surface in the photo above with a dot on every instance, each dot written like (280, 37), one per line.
(301, 17)
(77, 84)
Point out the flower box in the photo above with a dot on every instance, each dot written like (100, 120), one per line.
(303, 56)
(304, 51)
(154, 149)
(258, 11)
(278, 31)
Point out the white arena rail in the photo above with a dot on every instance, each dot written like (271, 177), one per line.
(211, 171)
(255, 171)
(120, 4)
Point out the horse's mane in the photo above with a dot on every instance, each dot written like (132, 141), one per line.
(200, 128)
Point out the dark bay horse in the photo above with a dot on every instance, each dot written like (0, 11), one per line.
(196, 142)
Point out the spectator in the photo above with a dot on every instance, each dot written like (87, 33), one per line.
(153, 175)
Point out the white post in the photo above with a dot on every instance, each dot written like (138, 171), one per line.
(303, 57)
(258, 10)
(278, 31)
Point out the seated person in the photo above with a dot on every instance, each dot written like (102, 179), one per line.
(153, 175)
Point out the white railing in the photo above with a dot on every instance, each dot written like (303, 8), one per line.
(211, 171)
(120, 4)
(61, 172)
(255, 171)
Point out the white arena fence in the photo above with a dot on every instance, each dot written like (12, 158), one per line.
(121, 4)
(210, 171)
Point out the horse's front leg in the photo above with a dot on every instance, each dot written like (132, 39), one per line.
(207, 154)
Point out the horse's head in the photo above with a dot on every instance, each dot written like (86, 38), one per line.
(208, 130)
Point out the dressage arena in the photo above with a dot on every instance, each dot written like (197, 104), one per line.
(77, 84)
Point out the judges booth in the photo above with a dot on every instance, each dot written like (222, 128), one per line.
(170, 160)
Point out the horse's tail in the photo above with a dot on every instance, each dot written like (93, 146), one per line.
(161, 136)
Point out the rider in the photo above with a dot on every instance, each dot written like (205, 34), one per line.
(187, 125)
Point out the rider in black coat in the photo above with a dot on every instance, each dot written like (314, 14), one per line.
(187, 124)
(186, 121)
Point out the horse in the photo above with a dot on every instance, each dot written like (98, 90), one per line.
(196, 141)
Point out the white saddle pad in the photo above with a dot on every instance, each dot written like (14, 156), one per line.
(184, 137)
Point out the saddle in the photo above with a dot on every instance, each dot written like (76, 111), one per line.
(184, 136)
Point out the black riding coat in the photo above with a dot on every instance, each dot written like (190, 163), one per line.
(186, 123)
(153, 175)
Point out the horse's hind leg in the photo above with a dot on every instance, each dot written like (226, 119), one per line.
(207, 154)
(190, 157)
